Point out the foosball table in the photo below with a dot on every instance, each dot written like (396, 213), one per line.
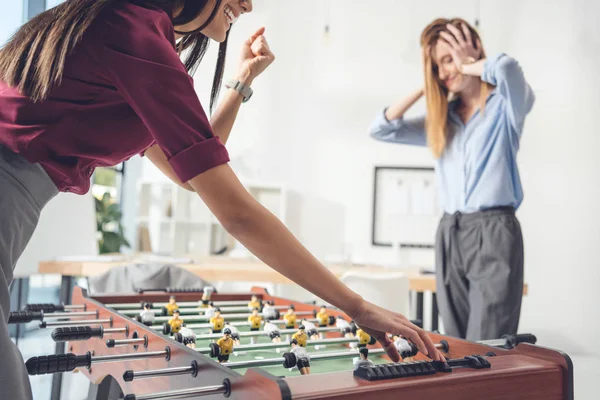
(192, 344)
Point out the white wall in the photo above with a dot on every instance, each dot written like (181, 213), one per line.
(10, 18)
(306, 128)
(558, 44)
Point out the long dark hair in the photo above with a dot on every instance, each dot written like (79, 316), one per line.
(33, 59)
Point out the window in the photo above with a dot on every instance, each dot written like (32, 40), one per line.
(108, 180)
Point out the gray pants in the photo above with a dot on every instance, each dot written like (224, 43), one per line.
(24, 190)
(479, 273)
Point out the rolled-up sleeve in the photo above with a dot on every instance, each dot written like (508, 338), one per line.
(147, 71)
(402, 130)
(506, 74)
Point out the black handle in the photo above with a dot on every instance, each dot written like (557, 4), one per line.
(128, 376)
(75, 333)
(513, 340)
(57, 363)
(47, 308)
(18, 317)
(130, 397)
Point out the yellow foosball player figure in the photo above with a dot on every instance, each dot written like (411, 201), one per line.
(363, 361)
(364, 338)
(175, 322)
(225, 346)
(290, 317)
(206, 294)
(323, 317)
(300, 336)
(217, 322)
(302, 357)
(168, 309)
(254, 303)
(255, 320)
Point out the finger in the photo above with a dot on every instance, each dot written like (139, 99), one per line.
(261, 49)
(434, 353)
(468, 37)
(413, 335)
(391, 350)
(460, 39)
(256, 34)
(450, 40)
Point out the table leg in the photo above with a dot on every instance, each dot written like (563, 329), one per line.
(434, 313)
(66, 289)
(420, 307)
(108, 389)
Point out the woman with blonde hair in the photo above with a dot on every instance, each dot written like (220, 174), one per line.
(476, 109)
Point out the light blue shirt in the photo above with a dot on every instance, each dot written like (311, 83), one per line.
(478, 170)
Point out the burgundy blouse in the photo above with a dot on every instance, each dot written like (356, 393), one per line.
(124, 89)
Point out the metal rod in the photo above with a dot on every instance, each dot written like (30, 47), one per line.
(114, 330)
(493, 342)
(124, 306)
(265, 346)
(226, 316)
(194, 310)
(70, 314)
(130, 356)
(185, 393)
(234, 323)
(79, 322)
(74, 307)
(316, 357)
(125, 342)
(260, 333)
(161, 372)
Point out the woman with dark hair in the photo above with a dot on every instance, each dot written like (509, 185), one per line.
(94, 82)
(476, 109)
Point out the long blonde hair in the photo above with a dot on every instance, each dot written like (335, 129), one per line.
(436, 95)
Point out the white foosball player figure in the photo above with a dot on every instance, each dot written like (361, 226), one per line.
(273, 331)
(269, 312)
(188, 337)
(147, 315)
(311, 329)
(302, 357)
(344, 327)
(404, 347)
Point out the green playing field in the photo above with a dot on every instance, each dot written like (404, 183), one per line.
(316, 366)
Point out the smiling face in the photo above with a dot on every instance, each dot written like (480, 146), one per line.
(227, 13)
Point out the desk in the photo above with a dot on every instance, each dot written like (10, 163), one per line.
(226, 269)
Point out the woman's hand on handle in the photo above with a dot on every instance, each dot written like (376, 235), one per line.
(378, 322)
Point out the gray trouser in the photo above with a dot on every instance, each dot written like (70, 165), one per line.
(24, 190)
(479, 273)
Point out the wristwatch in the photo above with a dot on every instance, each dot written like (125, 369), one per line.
(245, 91)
